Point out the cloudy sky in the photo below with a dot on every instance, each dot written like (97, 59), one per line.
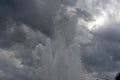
(40, 39)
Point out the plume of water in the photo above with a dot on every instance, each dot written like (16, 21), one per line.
(60, 59)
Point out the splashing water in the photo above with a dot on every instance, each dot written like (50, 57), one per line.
(59, 59)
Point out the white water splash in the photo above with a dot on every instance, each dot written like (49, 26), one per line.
(60, 59)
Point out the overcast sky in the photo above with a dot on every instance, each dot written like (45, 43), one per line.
(26, 25)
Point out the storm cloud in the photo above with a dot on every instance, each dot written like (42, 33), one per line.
(31, 28)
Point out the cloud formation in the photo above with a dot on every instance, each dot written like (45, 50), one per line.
(28, 27)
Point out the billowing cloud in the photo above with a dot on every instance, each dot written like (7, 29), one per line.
(102, 54)
(62, 34)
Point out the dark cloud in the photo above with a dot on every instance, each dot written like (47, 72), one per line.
(23, 25)
(103, 53)
(32, 13)
(9, 67)
(111, 40)
(37, 14)
(84, 14)
(11, 35)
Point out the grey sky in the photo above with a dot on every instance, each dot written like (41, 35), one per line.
(26, 25)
